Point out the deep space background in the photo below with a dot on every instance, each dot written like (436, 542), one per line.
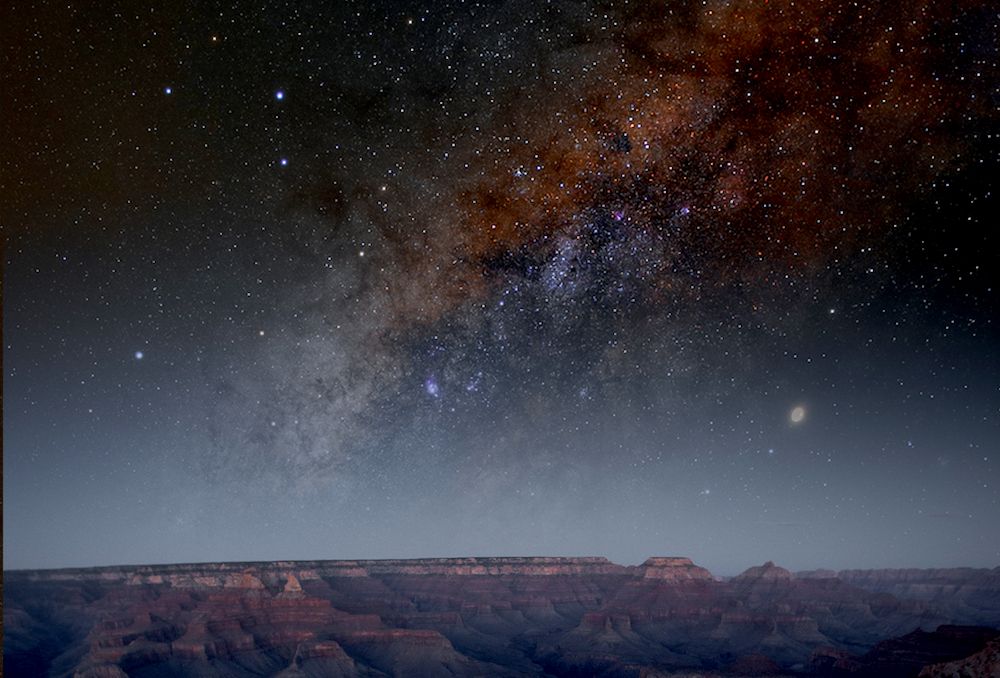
(387, 279)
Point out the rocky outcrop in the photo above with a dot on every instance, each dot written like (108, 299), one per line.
(292, 589)
(674, 569)
(768, 572)
(982, 664)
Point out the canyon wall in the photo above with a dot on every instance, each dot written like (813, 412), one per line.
(482, 616)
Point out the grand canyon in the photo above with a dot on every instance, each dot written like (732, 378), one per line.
(498, 617)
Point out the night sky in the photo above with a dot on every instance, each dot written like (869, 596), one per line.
(370, 279)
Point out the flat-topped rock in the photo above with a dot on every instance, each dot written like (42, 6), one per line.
(239, 574)
(674, 568)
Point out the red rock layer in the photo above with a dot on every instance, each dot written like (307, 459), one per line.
(457, 616)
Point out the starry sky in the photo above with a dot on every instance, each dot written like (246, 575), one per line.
(387, 279)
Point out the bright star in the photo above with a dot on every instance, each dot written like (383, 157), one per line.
(139, 355)
(284, 162)
(279, 95)
(168, 90)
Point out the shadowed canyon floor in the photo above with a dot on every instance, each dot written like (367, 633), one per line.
(497, 616)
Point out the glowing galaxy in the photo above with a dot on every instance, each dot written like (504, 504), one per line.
(506, 278)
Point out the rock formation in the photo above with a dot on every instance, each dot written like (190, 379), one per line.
(485, 616)
(983, 664)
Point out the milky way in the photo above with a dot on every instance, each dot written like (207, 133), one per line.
(386, 280)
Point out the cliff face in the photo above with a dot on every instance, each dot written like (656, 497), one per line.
(451, 616)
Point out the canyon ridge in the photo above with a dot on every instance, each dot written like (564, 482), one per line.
(501, 616)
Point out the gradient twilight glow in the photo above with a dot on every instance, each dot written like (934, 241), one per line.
(697, 278)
